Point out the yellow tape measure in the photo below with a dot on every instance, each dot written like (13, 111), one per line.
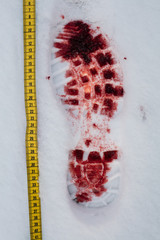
(29, 21)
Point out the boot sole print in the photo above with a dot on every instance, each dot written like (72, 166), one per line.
(89, 83)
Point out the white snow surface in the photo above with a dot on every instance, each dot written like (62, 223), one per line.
(133, 27)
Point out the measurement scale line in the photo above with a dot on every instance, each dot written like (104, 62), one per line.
(29, 33)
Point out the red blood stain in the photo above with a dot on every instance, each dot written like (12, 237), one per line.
(62, 16)
(93, 71)
(85, 79)
(95, 107)
(108, 130)
(108, 103)
(81, 42)
(83, 197)
(94, 157)
(109, 108)
(72, 83)
(48, 77)
(97, 89)
(87, 95)
(108, 74)
(109, 89)
(90, 175)
(118, 91)
(87, 142)
(78, 154)
(104, 59)
(69, 73)
(92, 85)
(72, 102)
(71, 91)
(77, 63)
(110, 155)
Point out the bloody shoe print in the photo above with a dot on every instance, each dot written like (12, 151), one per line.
(89, 83)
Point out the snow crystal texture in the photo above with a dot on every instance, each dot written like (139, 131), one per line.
(134, 29)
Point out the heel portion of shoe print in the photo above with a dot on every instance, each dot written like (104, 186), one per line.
(88, 177)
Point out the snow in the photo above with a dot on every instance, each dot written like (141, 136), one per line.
(133, 27)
